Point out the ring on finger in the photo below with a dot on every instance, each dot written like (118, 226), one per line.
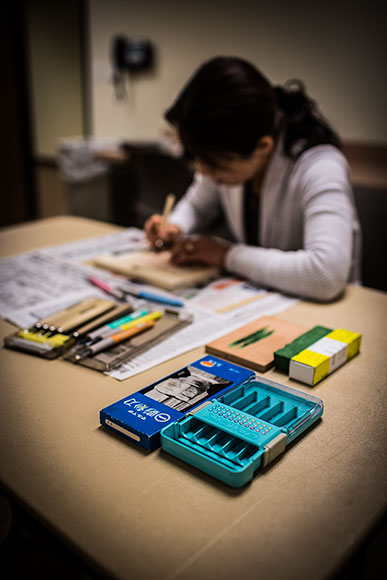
(189, 247)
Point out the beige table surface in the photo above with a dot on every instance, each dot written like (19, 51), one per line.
(148, 515)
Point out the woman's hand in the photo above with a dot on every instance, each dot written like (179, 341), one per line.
(203, 249)
(160, 238)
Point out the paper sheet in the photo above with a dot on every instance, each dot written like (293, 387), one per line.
(131, 239)
(36, 284)
(227, 295)
(33, 286)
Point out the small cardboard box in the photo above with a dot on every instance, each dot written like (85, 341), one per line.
(323, 357)
(283, 355)
(141, 416)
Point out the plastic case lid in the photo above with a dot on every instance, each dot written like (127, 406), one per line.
(304, 407)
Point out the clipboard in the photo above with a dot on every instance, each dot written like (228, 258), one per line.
(156, 269)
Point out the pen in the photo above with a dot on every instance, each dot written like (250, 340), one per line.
(56, 318)
(150, 316)
(105, 330)
(75, 315)
(119, 295)
(117, 313)
(170, 200)
(121, 292)
(150, 296)
(114, 339)
(87, 313)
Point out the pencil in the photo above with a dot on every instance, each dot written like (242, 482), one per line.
(114, 339)
(168, 205)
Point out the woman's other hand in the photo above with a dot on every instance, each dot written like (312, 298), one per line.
(202, 249)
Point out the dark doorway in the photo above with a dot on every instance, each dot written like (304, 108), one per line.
(16, 175)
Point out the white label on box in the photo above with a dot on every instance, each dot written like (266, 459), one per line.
(334, 349)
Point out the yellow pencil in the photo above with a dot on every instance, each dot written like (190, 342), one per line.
(168, 205)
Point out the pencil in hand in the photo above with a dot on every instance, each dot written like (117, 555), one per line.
(160, 244)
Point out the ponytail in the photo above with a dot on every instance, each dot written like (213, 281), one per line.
(303, 125)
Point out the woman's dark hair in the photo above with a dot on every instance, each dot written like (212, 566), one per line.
(228, 105)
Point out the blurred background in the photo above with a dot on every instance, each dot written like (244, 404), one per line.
(84, 89)
(86, 84)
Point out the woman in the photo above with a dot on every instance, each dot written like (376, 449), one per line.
(266, 159)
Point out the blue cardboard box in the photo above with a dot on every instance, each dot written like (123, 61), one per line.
(141, 416)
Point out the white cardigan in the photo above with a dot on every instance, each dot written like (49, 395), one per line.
(310, 238)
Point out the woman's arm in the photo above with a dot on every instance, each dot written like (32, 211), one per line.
(199, 206)
(195, 211)
(320, 269)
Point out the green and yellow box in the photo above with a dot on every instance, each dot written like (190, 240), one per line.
(323, 357)
(283, 356)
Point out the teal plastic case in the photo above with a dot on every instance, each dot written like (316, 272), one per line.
(242, 431)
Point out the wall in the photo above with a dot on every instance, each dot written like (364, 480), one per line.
(336, 47)
(55, 72)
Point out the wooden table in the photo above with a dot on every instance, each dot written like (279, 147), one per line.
(148, 516)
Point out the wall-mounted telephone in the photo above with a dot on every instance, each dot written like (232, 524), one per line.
(129, 55)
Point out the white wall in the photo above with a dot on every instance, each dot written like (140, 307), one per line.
(336, 47)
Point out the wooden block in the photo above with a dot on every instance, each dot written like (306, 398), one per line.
(253, 344)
